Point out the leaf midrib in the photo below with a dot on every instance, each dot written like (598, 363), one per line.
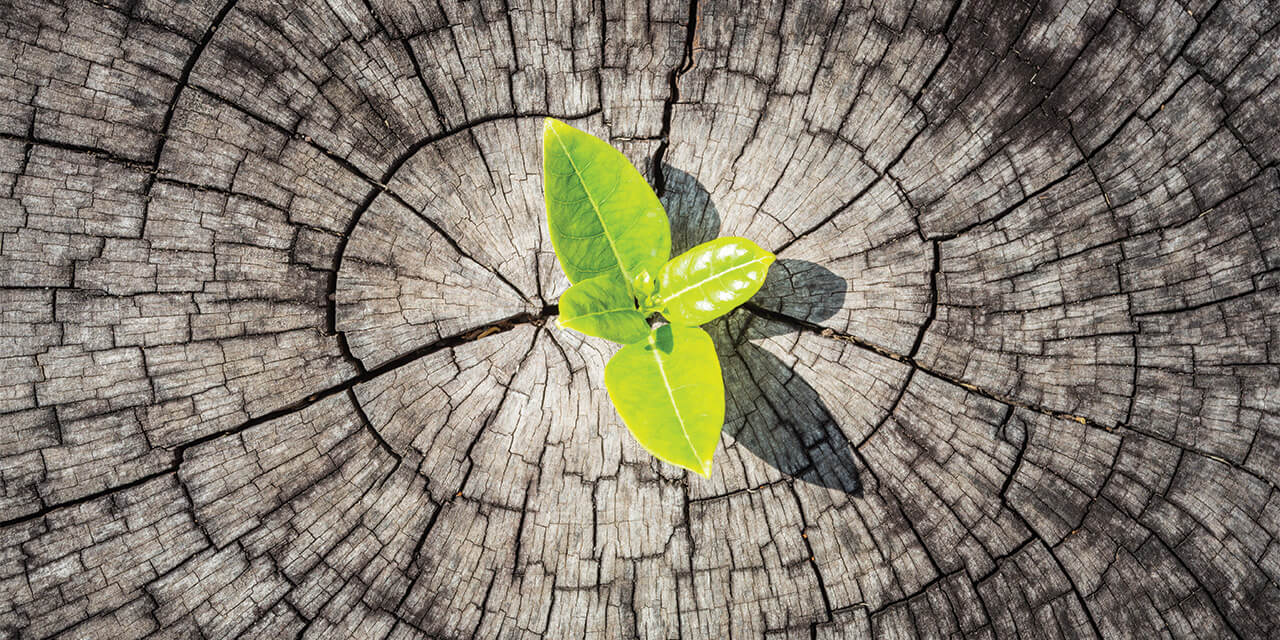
(662, 373)
(713, 277)
(617, 257)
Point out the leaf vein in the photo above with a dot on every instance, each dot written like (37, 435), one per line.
(713, 277)
(594, 206)
(662, 372)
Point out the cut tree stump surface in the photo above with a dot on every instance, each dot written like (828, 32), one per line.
(279, 355)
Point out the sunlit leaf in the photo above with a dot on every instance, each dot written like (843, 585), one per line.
(711, 279)
(602, 307)
(670, 393)
(602, 216)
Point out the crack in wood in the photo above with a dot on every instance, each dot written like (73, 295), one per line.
(668, 106)
(169, 354)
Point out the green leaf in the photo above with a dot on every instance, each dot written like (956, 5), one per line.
(670, 393)
(602, 215)
(643, 284)
(711, 279)
(602, 307)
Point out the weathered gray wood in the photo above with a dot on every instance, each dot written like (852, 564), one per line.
(276, 328)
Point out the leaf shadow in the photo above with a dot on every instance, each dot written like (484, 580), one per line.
(694, 218)
(801, 289)
(770, 410)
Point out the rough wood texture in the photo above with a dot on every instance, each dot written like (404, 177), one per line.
(275, 291)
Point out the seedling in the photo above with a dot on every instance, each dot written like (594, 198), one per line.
(612, 238)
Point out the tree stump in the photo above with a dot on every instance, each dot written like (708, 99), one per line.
(276, 300)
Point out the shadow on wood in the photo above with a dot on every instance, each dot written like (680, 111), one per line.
(770, 411)
(694, 218)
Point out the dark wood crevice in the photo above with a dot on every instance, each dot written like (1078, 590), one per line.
(275, 296)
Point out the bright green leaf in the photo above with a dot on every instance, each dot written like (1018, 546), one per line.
(602, 307)
(602, 215)
(669, 392)
(643, 284)
(712, 279)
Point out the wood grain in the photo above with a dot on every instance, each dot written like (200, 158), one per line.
(276, 299)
